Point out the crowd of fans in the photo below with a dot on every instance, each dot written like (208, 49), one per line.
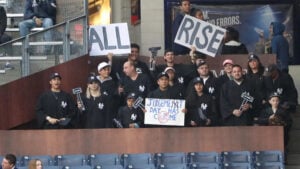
(237, 97)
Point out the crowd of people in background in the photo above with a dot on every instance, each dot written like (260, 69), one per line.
(211, 100)
(261, 95)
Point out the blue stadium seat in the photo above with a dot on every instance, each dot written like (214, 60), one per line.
(172, 166)
(44, 167)
(117, 166)
(268, 156)
(205, 166)
(78, 167)
(269, 165)
(134, 159)
(19, 161)
(236, 157)
(23, 167)
(51, 167)
(103, 159)
(141, 166)
(170, 158)
(204, 157)
(70, 160)
(47, 160)
(237, 166)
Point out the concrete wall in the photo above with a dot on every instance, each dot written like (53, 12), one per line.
(150, 32)
(121, 12)
(152, 26)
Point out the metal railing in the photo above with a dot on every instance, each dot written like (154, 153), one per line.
(33, 53)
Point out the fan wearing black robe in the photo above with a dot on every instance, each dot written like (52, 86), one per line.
(235, 113)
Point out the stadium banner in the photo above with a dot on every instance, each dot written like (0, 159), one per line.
(167, 112)
(112, 38)
(252, 22)
(205, 37)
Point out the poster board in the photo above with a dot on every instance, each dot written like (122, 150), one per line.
(167, 112)
(112, 38)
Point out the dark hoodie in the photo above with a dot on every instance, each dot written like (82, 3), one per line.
(280, 46)
(45, 9)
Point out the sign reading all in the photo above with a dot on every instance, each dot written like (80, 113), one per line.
(164, 112)
(113, 38)
(205, 37)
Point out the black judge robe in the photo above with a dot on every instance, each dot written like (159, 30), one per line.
(231, 99)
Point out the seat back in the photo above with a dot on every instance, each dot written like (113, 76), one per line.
(237, 157)
(141, 166)
(70, 160)
(172, 166)
(269, 165)
(117, 166)
(170, 158)
(135, 159)
(77, 167)
(205, 166)
(23, 167)
(44, 167)
(47, 160)
(103, 159)
(268, 156)
(51, 167)
(237, 166)
(204, 157)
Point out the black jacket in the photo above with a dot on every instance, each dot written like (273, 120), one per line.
(57, 105)
(45, 9)
(3, 20)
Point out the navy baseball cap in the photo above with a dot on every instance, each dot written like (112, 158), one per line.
(197, 80)
(92, 79)
(274, 94)
(162, 74)
(253, 57)
(202, 62)
(131, 96)
(54, 75)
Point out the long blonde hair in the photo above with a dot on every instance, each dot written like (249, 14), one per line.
(88, 92)
(32, 163)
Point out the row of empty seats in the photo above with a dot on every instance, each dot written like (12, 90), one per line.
(179, 160)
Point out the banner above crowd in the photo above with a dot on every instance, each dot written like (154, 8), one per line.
(252, 22)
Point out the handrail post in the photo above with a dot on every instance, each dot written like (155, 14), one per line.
(86, 28)
(66, 44)
(25, 57)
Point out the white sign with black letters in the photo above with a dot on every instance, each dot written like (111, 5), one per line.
(205, 37)
(112, 38)
(167, 112)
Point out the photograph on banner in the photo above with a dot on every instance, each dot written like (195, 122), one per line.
(205, 37)
(112, 38)
(251, 21)
(167, 112)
